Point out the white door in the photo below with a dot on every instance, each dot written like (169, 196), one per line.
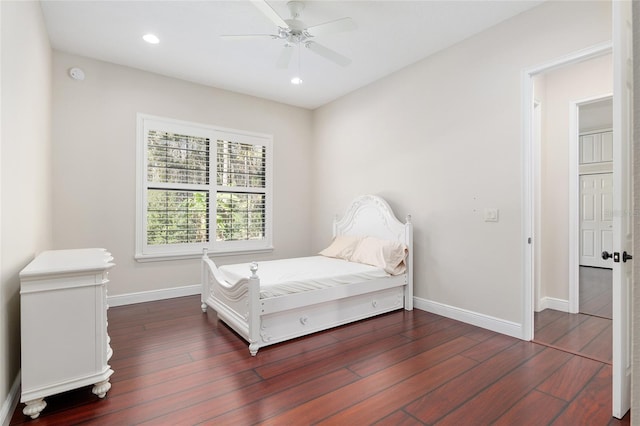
(596, 224)
(622, 204)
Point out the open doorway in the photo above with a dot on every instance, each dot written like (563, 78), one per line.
(573, 208)
(584, 324)
(595, 170)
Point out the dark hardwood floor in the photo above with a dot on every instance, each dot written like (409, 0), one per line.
(596, 289)
(588, 333)
(175, 365)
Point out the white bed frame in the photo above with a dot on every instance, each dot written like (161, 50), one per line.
(263, 322)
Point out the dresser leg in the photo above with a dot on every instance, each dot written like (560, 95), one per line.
(101, 388)
(34, 407)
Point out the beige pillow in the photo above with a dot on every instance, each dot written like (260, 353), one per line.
(342, 247)
(389, 255)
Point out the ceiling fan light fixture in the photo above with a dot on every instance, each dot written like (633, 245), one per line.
(296, 80)
(151, 38)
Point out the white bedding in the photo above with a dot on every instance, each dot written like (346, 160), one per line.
(286, 276)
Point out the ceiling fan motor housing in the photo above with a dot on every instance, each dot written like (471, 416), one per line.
(296, 33)
(295, 8)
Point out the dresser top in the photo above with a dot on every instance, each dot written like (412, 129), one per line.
(65, 261)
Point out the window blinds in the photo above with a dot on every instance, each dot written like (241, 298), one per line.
(177, 215)
(181, 198)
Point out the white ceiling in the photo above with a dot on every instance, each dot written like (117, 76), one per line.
(390, 36)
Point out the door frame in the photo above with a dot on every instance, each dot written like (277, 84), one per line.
(531, 180)
(574, 198)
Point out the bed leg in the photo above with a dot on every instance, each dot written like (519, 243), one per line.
(253, 349)
(204, 279)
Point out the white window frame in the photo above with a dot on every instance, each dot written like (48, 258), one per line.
(146, 252)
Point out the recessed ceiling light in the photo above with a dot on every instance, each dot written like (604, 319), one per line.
(151, 38)
(296, 80)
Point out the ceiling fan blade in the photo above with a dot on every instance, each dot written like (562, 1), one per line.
(339, 25)
(247, 36)
(285, 57)
(270, 13)
(327, 53)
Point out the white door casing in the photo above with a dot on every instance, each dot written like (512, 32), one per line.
(622, 203)
(596, 224)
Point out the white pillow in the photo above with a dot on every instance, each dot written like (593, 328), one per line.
(388, 255)
(342, 247)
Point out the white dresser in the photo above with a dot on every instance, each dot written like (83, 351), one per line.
(65, 344)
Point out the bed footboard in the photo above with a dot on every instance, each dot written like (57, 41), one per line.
(237, 304)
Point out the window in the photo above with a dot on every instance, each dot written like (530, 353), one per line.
(201, 186)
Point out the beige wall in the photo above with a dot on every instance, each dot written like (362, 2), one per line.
(573, 83)
(25, 168)
(441, 141)
(94, 140)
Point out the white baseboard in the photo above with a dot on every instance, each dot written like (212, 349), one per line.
(480, 320)
(9, 405)
(553, 303)
(150, 296)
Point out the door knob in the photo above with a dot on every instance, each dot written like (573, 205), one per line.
(616, 256)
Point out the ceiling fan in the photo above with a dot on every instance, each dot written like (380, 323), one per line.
(294, 33)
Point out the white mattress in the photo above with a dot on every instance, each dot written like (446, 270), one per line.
(286, 276)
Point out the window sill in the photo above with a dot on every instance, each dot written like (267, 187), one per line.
(161, 257)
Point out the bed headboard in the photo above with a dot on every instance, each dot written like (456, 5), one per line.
(370, 215)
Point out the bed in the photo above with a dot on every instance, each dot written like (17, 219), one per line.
(279, 300)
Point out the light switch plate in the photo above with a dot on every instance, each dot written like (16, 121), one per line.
(490, 215)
